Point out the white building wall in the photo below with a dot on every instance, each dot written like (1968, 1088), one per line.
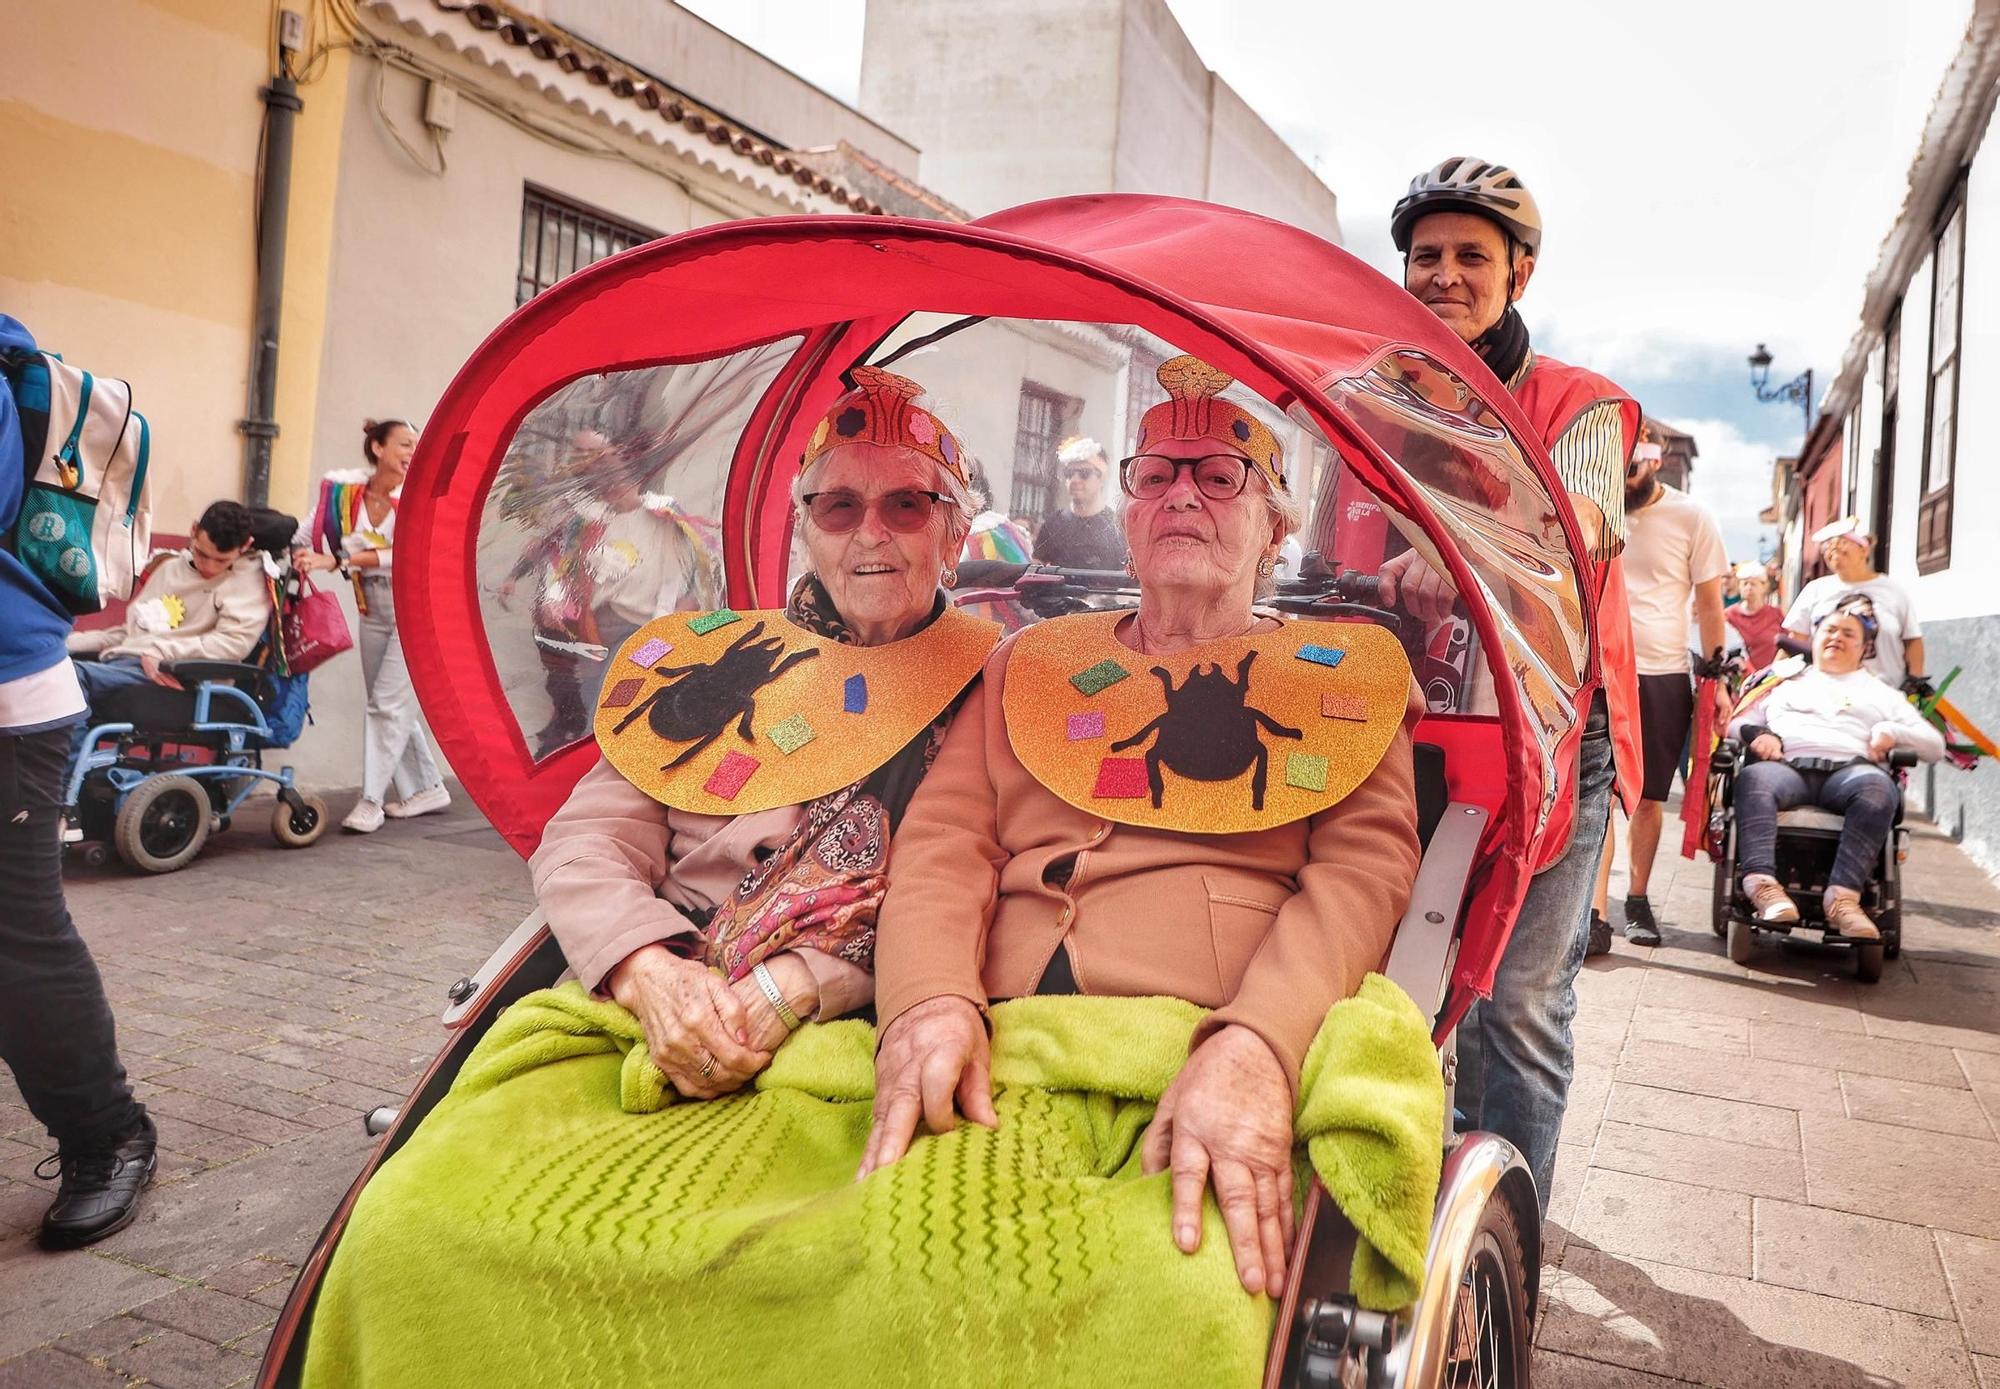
(1007, 102)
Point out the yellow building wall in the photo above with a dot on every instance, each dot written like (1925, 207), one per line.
(129, 132)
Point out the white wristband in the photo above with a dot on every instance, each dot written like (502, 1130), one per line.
(775, 995)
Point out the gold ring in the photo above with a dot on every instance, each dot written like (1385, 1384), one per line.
(707, 1066)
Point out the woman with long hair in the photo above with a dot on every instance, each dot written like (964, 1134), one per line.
(353, 529)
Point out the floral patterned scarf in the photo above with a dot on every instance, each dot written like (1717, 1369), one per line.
(822, 889)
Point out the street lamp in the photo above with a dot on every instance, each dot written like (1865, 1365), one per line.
(1798, 389)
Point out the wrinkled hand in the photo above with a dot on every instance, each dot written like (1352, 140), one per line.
(1426, 594)
(150, 664)
(934, 1056)
(800, 988)
(689, 1015)
(1881, 743)
(1226, 1120)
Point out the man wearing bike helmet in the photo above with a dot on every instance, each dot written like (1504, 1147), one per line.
(1469, 232)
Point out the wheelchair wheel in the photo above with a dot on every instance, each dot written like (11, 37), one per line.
(1490, 1335)
(295, 829)
(1868, 962)
(1725, 884)
(162, 824)
(1742, 940)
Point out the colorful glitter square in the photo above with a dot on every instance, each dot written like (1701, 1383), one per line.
(730, 775)
(1090, 725)
(793, 734)
(1305, 771)
(1122, 779)
(1101, 676)
(623, 693)
(648, 655)
(854, 695)
(1352, 708)
(1328, 656)
(701, 626)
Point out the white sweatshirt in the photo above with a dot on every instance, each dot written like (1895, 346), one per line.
(1833, 716)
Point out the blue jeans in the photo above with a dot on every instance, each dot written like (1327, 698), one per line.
(1862, 793)
(99, 678)
(1515, 1054)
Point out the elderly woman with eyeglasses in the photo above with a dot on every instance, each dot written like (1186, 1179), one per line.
(1193, 800)
(718, 874)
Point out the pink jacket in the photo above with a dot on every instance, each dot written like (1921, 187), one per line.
(617, 870)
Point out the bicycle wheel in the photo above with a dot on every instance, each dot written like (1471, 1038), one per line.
(1490, 1336)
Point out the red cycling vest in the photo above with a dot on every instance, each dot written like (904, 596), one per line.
(1552, 397)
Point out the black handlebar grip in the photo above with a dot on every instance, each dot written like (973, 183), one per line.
(989, 573)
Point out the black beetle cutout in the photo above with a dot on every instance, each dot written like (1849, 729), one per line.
(701, 705)
(1208, 731)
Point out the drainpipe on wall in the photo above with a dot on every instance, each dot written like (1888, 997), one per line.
(259, 428)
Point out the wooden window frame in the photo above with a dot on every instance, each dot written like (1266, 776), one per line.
(1934, 505)
(538, 205)
(1882, 503)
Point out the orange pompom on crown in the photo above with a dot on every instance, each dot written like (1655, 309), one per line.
(1194, 409)
(884, 408)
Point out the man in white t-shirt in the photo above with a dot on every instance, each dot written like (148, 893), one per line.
(1673, 556)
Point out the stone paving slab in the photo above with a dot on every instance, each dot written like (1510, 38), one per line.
(1858, 1124)
(265, 1000)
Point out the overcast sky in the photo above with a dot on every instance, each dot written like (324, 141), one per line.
(1712, 174)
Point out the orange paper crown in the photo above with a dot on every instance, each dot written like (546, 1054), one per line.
(1194, 409)
(882, 409)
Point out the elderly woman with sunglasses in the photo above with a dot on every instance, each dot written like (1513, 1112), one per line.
(723, 931)
(1071, 837)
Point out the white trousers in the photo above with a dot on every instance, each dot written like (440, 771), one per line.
(394, 748)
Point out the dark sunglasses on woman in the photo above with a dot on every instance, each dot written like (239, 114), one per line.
(1147, 476)
(905, 510)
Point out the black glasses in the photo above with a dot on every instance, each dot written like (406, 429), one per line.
(904, 510)
(1147, 476)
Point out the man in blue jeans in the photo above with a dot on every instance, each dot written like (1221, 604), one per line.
(56, 1029)
(1469, 231)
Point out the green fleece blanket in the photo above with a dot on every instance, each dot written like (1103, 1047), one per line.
(560, 1219)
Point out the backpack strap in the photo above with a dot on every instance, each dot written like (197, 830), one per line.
(66, 457)
(139, 472)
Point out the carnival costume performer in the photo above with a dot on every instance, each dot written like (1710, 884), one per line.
(1191, 800)
(353, 529)
(1819, 735)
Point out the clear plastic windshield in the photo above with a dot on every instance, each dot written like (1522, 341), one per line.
(605, 513)
(1454, 449)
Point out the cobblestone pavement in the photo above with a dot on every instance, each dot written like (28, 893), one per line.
(1770, 1176)
(1775, 1176)
(265, 1000)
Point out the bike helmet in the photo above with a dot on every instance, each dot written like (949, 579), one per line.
(1465, 184)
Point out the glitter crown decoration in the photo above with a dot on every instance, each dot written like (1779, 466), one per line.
(1194, 409)
(882, 409)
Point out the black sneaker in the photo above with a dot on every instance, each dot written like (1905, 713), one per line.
(1640, 927)
(100, 1190)
(1600, 936)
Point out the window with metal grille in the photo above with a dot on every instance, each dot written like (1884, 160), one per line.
(1045, 418)
(559, 237)
(1941, 402)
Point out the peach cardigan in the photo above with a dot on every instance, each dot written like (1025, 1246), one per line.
(992, 874)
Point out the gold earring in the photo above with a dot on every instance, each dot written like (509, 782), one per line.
(1266, 567)
(948, 576)
(1130, 572)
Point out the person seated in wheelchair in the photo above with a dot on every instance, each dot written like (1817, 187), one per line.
(206, 602)
(1820, 734)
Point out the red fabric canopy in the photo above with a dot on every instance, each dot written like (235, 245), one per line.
(1283, 311)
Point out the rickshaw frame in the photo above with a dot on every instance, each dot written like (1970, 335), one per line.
(1103, 258)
